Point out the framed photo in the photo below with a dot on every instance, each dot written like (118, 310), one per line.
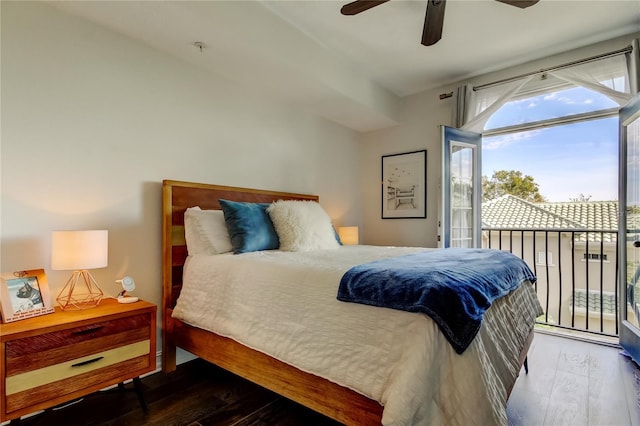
(404, 185)
(24, 294)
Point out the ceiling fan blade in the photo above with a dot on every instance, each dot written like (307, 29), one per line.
(358, 6)
(433, 21)
(523, 4)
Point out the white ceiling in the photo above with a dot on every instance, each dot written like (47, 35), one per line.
(355, 69)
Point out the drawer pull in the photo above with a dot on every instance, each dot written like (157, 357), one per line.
(87, 331)
(89, 361)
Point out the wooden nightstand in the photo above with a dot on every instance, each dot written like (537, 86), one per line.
(55, 358)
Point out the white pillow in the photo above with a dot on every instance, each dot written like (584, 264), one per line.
(205, 231)
(302, 226)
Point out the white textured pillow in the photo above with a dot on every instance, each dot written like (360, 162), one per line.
(302, 226)
(205, 231)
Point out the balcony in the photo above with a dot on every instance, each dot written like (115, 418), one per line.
(577, 271)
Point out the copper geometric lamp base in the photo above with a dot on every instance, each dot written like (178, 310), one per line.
(80, 292)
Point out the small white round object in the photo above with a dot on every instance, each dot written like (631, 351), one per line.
(128, 284)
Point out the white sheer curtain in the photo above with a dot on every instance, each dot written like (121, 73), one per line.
(462, 103)
(608, 76)
(483, 103)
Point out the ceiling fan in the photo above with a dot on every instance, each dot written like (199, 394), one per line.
(434, 18)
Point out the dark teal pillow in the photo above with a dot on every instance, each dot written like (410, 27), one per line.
(335, 234)
(249, 225)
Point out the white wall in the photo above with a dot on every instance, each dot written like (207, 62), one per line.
(93, 121)
(419, 128)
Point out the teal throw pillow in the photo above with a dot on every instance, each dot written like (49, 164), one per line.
(249, 225)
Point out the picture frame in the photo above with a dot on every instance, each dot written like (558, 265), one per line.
(404, 185)
(24, 294)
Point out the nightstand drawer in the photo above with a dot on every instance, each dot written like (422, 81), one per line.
(47, 349)
(35, 386)
(52, 373)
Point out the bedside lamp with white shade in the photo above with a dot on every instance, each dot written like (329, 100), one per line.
(79, 251)
(349, 235)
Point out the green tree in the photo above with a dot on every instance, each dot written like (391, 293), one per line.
(511, 182)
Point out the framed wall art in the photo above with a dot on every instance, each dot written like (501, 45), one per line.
(24, 294)
(404, 185)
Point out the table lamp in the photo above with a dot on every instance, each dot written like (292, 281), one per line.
(79, 251)
(348, 235)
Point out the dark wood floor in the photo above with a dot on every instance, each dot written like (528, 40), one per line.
(569, 383)
(197, 394)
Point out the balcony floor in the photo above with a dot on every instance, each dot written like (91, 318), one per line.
(572, 382)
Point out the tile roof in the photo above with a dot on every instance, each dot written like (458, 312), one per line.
(591, 214)
(510, 211)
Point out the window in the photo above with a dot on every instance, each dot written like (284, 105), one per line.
(555, 131)
(558, 126)
(595, 257)
(582, 155)
(554, 104)
(543, 256)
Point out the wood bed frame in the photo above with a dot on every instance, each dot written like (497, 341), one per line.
(328, 398)
(321, 395)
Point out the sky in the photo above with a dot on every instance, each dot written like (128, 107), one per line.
(565, 161)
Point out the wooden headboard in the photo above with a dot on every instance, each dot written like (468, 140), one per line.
(177, 196)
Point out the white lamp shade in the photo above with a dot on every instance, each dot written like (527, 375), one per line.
(79, 250)
(348, 235)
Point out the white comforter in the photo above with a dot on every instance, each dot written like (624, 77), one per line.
(284, 304)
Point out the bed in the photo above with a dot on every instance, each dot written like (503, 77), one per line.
(339, 399)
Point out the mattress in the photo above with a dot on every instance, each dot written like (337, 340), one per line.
(284, 304)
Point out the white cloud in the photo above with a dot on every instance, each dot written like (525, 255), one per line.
(497, 142)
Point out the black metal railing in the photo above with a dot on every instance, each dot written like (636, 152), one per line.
(577, 274)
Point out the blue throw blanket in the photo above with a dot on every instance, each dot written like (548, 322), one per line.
(453, 286)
